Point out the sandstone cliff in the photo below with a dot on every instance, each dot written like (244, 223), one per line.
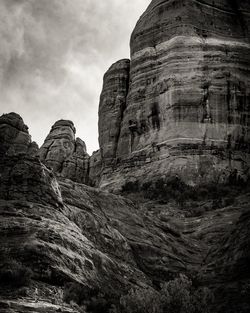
(179, 107)
(187, 107)
(65, 232)
(111, 108)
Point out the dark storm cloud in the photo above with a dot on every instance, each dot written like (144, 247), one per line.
(53, 55)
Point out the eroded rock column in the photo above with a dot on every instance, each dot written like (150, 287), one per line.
(63, 153)
(111, 108)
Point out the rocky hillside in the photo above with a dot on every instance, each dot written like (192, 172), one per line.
(56, 231)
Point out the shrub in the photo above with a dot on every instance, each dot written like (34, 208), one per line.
(173, 188)
(176, 296)
(15, 274)
(131, 186)
(180, 296)
(141, 301)
(91, 300)
(170, 188)
(73, 293)
(146, 186)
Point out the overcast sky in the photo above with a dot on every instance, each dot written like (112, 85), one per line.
(53, 54)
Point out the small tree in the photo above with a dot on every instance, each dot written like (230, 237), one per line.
(179, 296)
(141, 301)
(15, 274)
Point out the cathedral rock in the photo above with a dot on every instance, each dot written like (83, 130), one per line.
(181, 105)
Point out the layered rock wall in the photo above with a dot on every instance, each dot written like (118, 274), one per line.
(187, 109)
(111, 108)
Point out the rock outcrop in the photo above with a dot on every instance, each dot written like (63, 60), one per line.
(64, 154)
(14, 136)
(187, 109)
(22, 176)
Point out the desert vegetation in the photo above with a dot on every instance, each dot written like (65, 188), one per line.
(14, 274)
(173, 189)
(176, 296)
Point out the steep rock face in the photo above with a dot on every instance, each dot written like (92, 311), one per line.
(27, 179)
(14, 136)
(111, 108)
(63, 153)
(95, 168)
(22, 176)
(187, 109)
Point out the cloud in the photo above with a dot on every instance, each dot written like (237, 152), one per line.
(53, 55)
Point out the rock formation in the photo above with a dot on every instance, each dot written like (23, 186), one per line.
(22, 176)
(111, 108)
(66, 232)
(95, 168)
(14, 136)
(181, 107)
(64, 154)
(187, 109)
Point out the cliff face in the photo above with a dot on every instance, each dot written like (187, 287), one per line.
(111, 108)
(181, 106)
(68, 232)
(64, 154)
(187, 109)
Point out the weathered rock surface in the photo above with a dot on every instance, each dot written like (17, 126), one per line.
(68, 232)
(106, 241)
(22, 176)
(111, 108)
(187, 109)
(186, 112)
(14, 136)
(95, 168)
(64, 154)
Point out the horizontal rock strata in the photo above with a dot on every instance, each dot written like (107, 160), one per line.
(111, 108)
(187, 109)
